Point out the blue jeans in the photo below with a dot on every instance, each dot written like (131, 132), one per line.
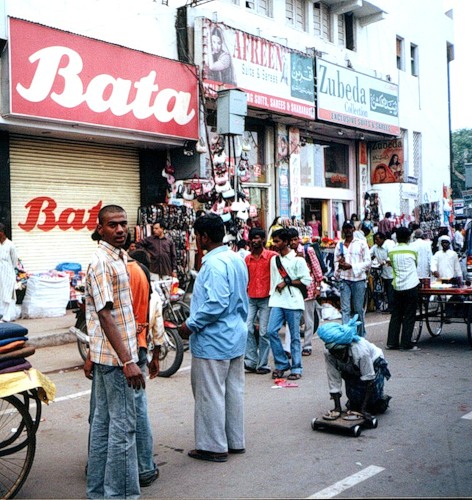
(278, 316)
(252, 358)
(144, 443)
(353, 292)
(112, 470)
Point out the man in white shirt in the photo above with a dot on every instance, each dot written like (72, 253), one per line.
(379, 252)
(352, 262)
(445, 262)
(423, 246)
(286, 304)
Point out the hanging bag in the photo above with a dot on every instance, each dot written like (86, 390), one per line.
(287, 278)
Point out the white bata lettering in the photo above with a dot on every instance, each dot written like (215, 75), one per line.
(104, 92)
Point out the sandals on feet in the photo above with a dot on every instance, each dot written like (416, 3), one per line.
(294, 376)
(332, 415)
(277, 374)
(306, 352)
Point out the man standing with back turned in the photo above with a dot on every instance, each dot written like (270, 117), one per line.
(112, 463)
(218, 332)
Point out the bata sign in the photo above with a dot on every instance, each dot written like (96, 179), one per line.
(356, 100)
(64, 77)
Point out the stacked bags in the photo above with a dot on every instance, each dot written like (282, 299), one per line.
(13, 348)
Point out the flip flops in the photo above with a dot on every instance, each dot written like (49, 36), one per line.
(352, 415)
(332, 415)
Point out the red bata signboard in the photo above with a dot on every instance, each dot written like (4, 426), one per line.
(59, 76)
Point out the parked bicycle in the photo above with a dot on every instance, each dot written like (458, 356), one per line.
(172, 350)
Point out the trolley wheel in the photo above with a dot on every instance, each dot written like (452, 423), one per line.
(372, 423)
(435, 311)
(314, 424)
(356, 431)
(16, 457)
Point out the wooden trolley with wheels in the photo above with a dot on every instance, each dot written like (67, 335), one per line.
(348, 423)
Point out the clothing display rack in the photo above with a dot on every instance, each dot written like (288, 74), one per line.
(179, 222)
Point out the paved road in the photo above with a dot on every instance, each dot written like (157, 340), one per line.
(421, 448)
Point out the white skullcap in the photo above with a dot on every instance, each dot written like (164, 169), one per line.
(444, 238)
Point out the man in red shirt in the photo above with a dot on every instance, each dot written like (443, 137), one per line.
(258, 263)
(386, 225)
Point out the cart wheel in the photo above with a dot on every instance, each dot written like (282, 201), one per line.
(435, 311)
(373, 423)
(356, 431)
(314, 424)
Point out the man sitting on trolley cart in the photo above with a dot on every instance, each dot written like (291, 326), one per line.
(362, 366)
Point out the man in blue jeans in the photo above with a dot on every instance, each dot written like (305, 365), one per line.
(352, 262)
(287, 304)
(256, 358)
(112, 462)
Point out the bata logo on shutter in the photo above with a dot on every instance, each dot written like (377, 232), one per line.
(42, 214)
(65, 77)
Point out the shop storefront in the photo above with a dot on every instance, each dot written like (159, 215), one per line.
(86, 123)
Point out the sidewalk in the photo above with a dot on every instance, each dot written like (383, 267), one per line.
(46, 332)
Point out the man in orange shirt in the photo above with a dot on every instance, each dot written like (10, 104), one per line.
(256, 357)
(140, 280)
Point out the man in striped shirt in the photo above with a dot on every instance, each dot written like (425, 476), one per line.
(403, 259)
(112, 467)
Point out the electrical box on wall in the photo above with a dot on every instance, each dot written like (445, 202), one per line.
(231, 111)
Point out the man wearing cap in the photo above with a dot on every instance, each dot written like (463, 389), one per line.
(445, 262)
(362, 366)
(352, 262)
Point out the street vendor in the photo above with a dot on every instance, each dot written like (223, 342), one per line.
(362, 366)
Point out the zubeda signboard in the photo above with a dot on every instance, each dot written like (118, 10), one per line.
(353, 99)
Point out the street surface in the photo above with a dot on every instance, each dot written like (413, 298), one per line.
(421, 448)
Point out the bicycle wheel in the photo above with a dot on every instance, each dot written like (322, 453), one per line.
(33, 405)
(172, 353)
(435, 315)
(83, 346)
(16, 458)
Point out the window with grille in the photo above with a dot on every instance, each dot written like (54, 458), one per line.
(400, 63)
(414, 59)
(295, 13)
(322, 21)
(263, 7)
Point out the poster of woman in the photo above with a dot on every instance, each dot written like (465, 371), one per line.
(386, 159)
(219, 62)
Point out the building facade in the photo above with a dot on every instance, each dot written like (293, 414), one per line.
(347, 112)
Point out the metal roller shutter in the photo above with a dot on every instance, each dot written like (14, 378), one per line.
(75, 176)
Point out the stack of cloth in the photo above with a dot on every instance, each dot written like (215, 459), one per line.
(14, 348)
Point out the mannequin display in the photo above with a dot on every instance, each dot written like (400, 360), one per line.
(315, 226)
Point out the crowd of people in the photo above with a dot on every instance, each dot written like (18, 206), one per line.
(240, 303)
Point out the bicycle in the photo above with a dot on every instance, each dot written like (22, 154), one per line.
(375, 296)
(172, 350)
